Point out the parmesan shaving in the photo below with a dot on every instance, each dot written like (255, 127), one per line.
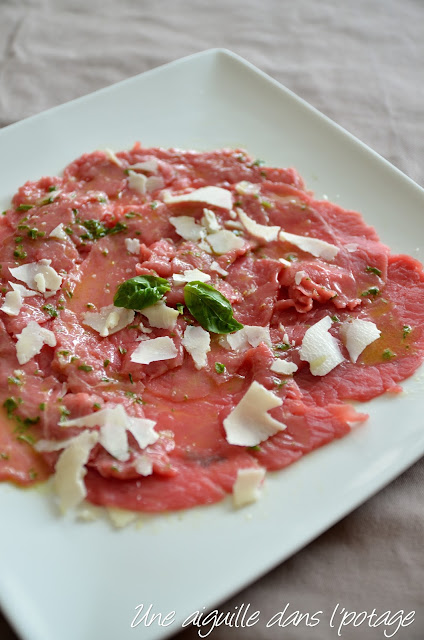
(70, 470)
(320, 348)
(132, 245)
(113, 157)
(108, 320)
(137, 182)
(261, 231)
(209, 221)
(31, 340)
(249, 424)
(30, 274)
(191, 275)
(315, 246)
(12, 303)
(161, 316)
(245, 188)
(216, 267)
(249, 334)
(284, 367)
(357, 335)
(247, 485)
(214, 196)
(154, 350)
(59, 233)
(187, 228)
(224, 241)
(197, 342)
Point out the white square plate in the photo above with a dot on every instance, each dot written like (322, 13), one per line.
(61, 578)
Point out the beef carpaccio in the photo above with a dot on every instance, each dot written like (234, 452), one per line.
(175, 323)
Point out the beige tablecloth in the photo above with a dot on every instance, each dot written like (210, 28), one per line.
(361, 64)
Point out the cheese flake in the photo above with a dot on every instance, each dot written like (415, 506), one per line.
(132, 245)
(250, 334)
(214, 196)
(197, 342)
(320, 348)
(137, 182)
(284, 367)
(121, 518)
(224, 241)
(31, 340)
(150, 165)
(59, 233)
(249, 424)
(114, 422)
(154, 350)
(262, 231)
(113, 157)
(191, 275)
(108, 320)
(70, 470)
(246, 488)
(25, 293)
(30, 273)
(245, 188)
(144, 465)
(215, 266)
(210, 221)
(160, 316)
(357, 335)
(315, 246)
(12, 304)
(188, 228)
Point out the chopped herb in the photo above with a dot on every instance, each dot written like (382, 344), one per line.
(69, 293)
(103, 200)
(238, 203)
(372, 291)
(219, 367)
(180, 308)
(50, 310)
(26, 437)
(97, 229)
(96, 406)
(266, 204)
(10, 404)
(388, 354)
(68, 230)
(90, 305)
(263, 174)
(282, 346)
(105, 252)
(106, 380)
(32, 474)
(20, 253)
(335, 318)
(122, 350)
(130, 214)
(291, 257)
(85, 367)
(106, 363)
(34, 234)
(256, 447)
(154, 204)
(24, 207)
(53, 187)
(23, 227)
(42, 406)
(374, 270)
(14, 380)
(4, 456)
(29, 421)
(64, 352)
(4, 213)
(64, 412)
(18, 240)
(406, 330)
(211, 309)
(258, 163)
(48, 200)
(131, 378)
(140, 292)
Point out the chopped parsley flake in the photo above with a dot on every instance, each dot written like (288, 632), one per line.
(374, 270)
(406, 330)
(219, 367)
(388, 354)
(85, 367)
(24, 207)
(372, 291)
(122, 350)
(50, 310)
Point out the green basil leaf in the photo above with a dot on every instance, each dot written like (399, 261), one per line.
(140, 292)
(211, 309)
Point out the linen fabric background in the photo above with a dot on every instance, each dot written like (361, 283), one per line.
(358, 62)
